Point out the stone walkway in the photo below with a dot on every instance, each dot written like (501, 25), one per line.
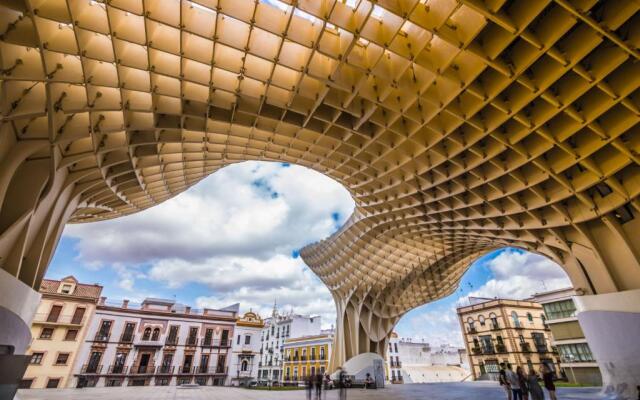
(433, 391)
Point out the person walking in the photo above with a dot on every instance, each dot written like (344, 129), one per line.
(504, 383)
(514, 382)
(309, 386)
(547, 378)
(535, 391)
(318, 384)
(522, 379)
(342, 383)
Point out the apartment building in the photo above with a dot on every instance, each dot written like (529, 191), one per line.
(58, 329)
(306, 355)
(511, 331)
(393, 363)
(577, 363)
(245, 350)
(277, 329)
(158, 342)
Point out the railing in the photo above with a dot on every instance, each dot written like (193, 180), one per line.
(501, 348)
(164, 370)
(495, 327)
(542, 348)
(117, 369)
(476, 350)
(101, 337)
(127, 338)
(185, 369)
(525, 347)
(58, 319)
(472, 330)
(208, 342)
(518, 325)
(488, 350)
(192, 341)
(91, 369)
(171, 341)
(141, 369)
(203, 370)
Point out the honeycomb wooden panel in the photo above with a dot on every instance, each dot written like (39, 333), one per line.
(458, 126)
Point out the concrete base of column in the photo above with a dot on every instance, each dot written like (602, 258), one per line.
(18, 304)
(611, 324)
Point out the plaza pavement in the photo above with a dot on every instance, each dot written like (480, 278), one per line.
(432, 391)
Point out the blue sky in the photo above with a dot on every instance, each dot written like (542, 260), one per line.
(235, 237)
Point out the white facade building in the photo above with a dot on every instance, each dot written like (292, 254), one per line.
(245, 351)
(157, 343)
(276, 330)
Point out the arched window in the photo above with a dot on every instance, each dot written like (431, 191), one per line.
(516, 320)
(471, 326)
(530, 317)
(147, 334)
(245, 366)
(481, 319)
(156, 334)
(494, 321)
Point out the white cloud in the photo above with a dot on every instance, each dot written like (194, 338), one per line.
(519, 274)
(234, 232)
(435, 324)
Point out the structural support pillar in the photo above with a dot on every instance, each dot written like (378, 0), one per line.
(18, 304)
(611, 324)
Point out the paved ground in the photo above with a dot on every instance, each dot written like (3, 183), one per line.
(432, 391)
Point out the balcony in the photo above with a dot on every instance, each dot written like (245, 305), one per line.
(101, 337)
(501, 348)
(209, 342)
(526, 347)
(472, 330)
(488, 350)
(164, 370)
(52, 319)
(476, 350)
(142, 369)
(495, 326)
(127, 338)
(171, 341)
(517, 325)
(148, 342)
(185, 370)
(117, 369)
(91, 369)
(192, 341)
(542, 348)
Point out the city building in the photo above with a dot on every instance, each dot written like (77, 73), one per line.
(277, 329)
(158, 342)
(415, 361)
(245, 351)
(458, 126)
(58, 330)
(510, 331)
(305, 355)
(576, 359)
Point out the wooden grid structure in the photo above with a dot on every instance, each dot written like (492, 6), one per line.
(458, 126)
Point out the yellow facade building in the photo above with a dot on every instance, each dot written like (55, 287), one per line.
(58, 330)
(307, 355)
(511, 331)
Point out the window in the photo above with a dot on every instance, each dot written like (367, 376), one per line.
(127, 334)
(238, 340)
(62, 359)
(78, 314)
(71, 334)
(105, 330)
(247, 339)
(578, 352)
(516, 320)
(530, 317)
(113, 382)
(244, 366)
(25, 384)
(53, 383)
(156, 334)
(118, 364)
(220, 367)
(173, 335)
(494, 321)
(46, 333)
(193, 332)
(481, 320)
(162, 381)
(395, 347)
(224, 339)
(322, 353)
(36, 358)
(560, 309)
(54, 314)
(472, 327)
(66, 288)
(147, 334)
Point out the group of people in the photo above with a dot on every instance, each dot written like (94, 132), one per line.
(315, 383)
(521, 386)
